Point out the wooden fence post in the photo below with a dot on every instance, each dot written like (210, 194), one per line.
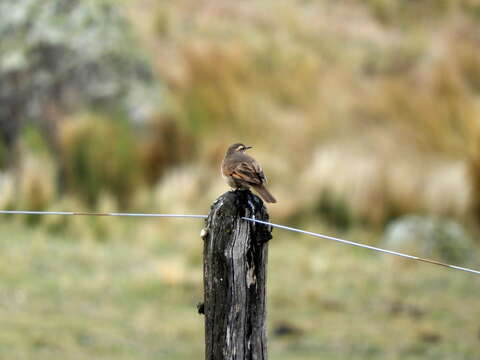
(235, 261)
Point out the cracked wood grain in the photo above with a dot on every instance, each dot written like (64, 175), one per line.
(235, 261)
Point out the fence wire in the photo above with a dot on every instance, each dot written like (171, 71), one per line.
(283, 227)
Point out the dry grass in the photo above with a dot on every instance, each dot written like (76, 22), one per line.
(352, 103)
(135, 296)
(360, 111)
(366, 92)
(355, 107)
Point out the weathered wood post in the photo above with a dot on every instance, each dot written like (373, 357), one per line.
(235, 262)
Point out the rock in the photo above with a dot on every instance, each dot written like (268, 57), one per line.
(430, 236)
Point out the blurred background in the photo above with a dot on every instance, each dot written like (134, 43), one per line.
(364, 114)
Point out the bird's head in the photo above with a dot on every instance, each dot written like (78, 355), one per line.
(237, 147)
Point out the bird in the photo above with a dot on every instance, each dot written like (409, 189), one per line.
(243, 172)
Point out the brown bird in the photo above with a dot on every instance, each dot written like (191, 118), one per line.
(243, 171)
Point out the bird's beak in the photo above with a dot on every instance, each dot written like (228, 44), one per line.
(248, 147)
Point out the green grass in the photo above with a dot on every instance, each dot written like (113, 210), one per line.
(134, 297)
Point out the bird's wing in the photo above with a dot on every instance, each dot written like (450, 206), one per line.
(250, 172)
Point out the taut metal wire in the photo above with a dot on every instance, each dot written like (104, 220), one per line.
(363, 246)
(21, 212)
(283, 227)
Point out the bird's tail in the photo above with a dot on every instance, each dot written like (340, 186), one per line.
(264, 194)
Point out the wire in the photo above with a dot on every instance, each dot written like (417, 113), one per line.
(100, 214)
(343, 241)
(362, 245)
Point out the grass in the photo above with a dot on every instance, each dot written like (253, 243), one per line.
(375, 102)
(68, 298)
(371, 91)
(372, 105)
(134, 297)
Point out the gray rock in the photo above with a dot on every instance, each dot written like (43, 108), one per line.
(430, 236)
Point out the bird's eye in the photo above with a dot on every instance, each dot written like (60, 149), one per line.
(240, 148)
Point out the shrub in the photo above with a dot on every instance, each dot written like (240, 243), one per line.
(99, 154)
